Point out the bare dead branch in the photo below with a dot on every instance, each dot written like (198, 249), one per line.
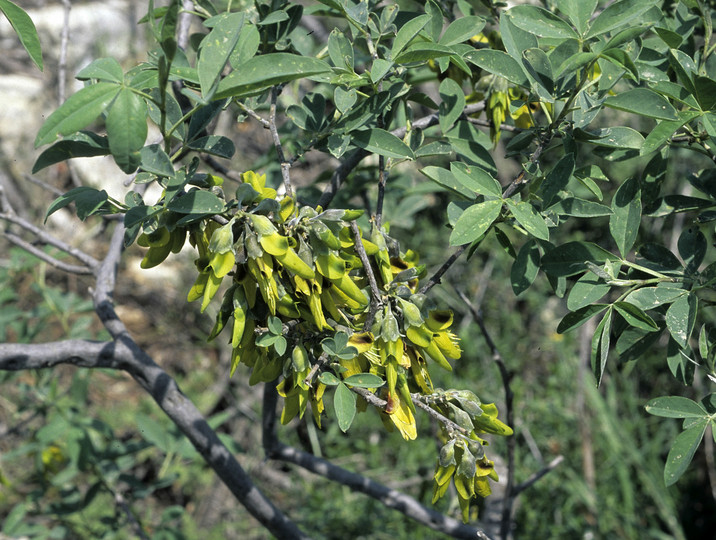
(8, 214)
(49, 259)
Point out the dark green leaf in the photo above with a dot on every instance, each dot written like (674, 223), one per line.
(705, 92)
(81, 144)
(475, 221)
(618, 14)
(102, 69)
(618, 137)
(570, 258)
(25, 30)
(529, 218)
(216, 48)
(77, 112)
(344, 402)
(636, 317)
(498, 63)
(692, 248)
(557, 179)
(216, 145)
(452, 104)
(382, 142)
(261, 72)
(626, 216)
(476, 179)
(525, 268)
(658, 257)
(340, 50)
(682, 452)
(651, 297)
(575, 319)
(197, 201)
(680, 318)
(86, 199)
(540, 22)
(127, 129)
(421, 52)
(462, 29)
(600, 345)
(447, 179)
(578, 11)
(675, 407)
(155, 160)
(587, 290)
(407, 32)
(573, 206)
(644, 102)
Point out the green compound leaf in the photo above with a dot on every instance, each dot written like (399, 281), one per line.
(475, 221)
(262, 72)
(25, 30)
(344, 402)
(79, 110)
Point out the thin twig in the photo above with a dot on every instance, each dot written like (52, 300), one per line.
(375, 297)
(449, 424)
(49, 259)
(253, 114)
(285, 165)
(320, 362)
(520, 180)
(435, 278)
(519, 488)
(44, 185)
(8, 214)
(381, 192)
